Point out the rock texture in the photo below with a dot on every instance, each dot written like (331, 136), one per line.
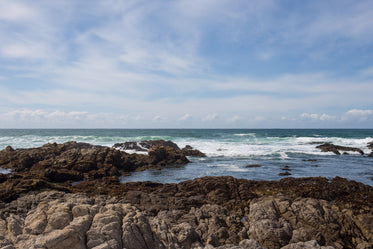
(327, 147)
(77, 161)
(54, 219)
(370, 146)
(42, 207)
(148, 144)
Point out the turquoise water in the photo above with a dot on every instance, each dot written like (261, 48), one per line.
(228, 150)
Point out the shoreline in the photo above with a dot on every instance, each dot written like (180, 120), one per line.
(70, 196)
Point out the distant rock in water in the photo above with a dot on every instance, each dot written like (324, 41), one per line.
(190, 151)
(327, 147)
(253, 166)
(145, 145)
(370, 146)
(148, 144)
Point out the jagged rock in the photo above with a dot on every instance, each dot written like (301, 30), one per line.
(209, 212)
(370, 145)
(145, 145)
(73, 161)
(161, 155)
(312, 244)
(190, 151)
(327, 147)
(273, 222)
(148, 144)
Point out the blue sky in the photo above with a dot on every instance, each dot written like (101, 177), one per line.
(186, 64)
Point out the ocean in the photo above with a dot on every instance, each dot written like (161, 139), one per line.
(228, 151)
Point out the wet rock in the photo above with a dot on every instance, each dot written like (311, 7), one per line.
(336, 148)
(148, 144)
(190, 151)
(73, 161)
(253, 166)
(284, 173)
(145, 145)
(370, 145)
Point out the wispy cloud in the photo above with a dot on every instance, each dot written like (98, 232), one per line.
(213, 62)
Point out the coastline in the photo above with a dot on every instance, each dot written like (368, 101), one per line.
(46, 203)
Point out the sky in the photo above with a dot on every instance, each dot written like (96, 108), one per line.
(186, 64)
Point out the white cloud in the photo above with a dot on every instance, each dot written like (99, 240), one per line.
(310, 116)
(17, 11)
(358, 115)
(210, 117)
(185, 117)
(326, 117)
(235, 118)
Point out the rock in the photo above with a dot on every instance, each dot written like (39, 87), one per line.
(145, 145)
(148, 144)
(336, 148)
(286, 168)
(285, 173)
(312, 244)
(190, 151)
(250, 244)
(370, 145)
(160, 155)
(209, 212)
(253, 166)
(73, 161)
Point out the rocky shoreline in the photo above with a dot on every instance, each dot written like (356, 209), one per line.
(69, 196)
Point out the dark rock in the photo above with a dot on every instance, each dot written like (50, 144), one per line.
(336, 148)
(145, 145)
(72, 161)
(370, 145)
(190, 151)
(148, 144)
(219, 211)
(161, 155)
(253, 166)
(286, 168)
(284, 174)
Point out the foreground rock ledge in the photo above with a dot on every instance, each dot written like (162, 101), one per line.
(209, 212)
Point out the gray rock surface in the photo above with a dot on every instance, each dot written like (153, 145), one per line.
(57, 220)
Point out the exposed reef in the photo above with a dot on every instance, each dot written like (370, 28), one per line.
(336, 149)
(69, 196)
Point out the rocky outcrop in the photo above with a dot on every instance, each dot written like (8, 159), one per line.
(145, 145)
(190, 151)
(370, 146)
(327, 147)
(78, 161)
(148, 144)
(54, 219)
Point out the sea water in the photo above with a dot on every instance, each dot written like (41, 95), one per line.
(228, 151)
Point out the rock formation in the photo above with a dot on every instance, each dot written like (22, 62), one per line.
(370, 146)
(148, 144)
(327, 147)
(77, 161)
(54, 219)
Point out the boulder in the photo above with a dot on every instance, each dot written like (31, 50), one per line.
(190, 151)
(327, 147)
(72, 161)
(145, 145)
